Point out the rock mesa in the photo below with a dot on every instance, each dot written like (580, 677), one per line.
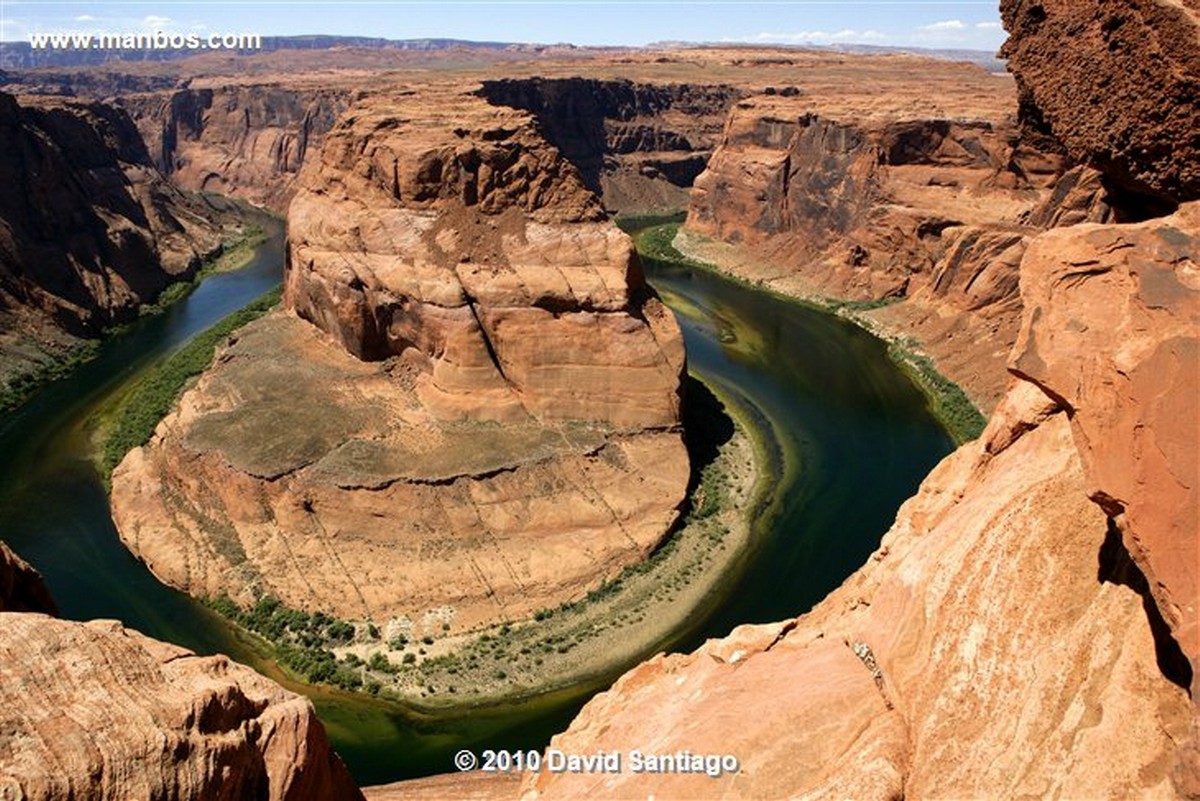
(469, 410)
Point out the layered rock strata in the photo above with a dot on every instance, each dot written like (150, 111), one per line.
(120, 715)
(1025, 626)
(95, 710)
(638, 145)
(469, 410)
(875, 200)
(89, 230)
(243, 139)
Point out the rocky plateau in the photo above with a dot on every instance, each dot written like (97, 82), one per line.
(490, 394)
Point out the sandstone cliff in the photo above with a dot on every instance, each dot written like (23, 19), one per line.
(243, 139)
(94, 710)
(638, 145)
(89, 230)
(1019, 630)
(120, 715)
(470, 410)
(869, 191)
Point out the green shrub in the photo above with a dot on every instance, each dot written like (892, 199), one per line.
(155, 394)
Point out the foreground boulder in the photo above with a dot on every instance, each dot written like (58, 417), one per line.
(95, 710)
(1114, 81)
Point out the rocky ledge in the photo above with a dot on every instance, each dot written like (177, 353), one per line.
(1028, 625)
(95, 710)
(468, 411)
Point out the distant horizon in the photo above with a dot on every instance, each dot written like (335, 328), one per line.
(659, 45)
(928, 25)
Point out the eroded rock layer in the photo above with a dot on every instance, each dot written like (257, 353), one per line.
(469, 411)
(245, 139)
(638, 145)
(89, 230)
(1003, 640)
(875, 194)
(95, 710)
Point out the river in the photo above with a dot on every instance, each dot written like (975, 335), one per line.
(854, 440)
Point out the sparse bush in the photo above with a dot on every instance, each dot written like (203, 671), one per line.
(155, 394)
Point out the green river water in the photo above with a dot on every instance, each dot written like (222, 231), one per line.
(853, 439)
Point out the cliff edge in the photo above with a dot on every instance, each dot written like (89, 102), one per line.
(95, 710)
(1005, 639)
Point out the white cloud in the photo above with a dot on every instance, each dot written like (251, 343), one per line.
(15, 30)
(988, 26)
(85, 18)
(156, 23)
(945, 25)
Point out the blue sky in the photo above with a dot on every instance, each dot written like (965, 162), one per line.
(585, 22)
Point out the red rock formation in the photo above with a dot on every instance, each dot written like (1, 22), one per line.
(94, 710)
(1115, 81)
(1117, 341)
(246, 140)
(21, 587)
(638, 145)
(482, 419)
(509, 285)
(870, 196)
(1001, 642)
(90, 230)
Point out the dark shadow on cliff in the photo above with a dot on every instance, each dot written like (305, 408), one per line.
(1117, 567)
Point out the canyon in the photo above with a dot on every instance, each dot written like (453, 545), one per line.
(492, 419)
(1027, 626)
(468, 363)
(90, 229)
